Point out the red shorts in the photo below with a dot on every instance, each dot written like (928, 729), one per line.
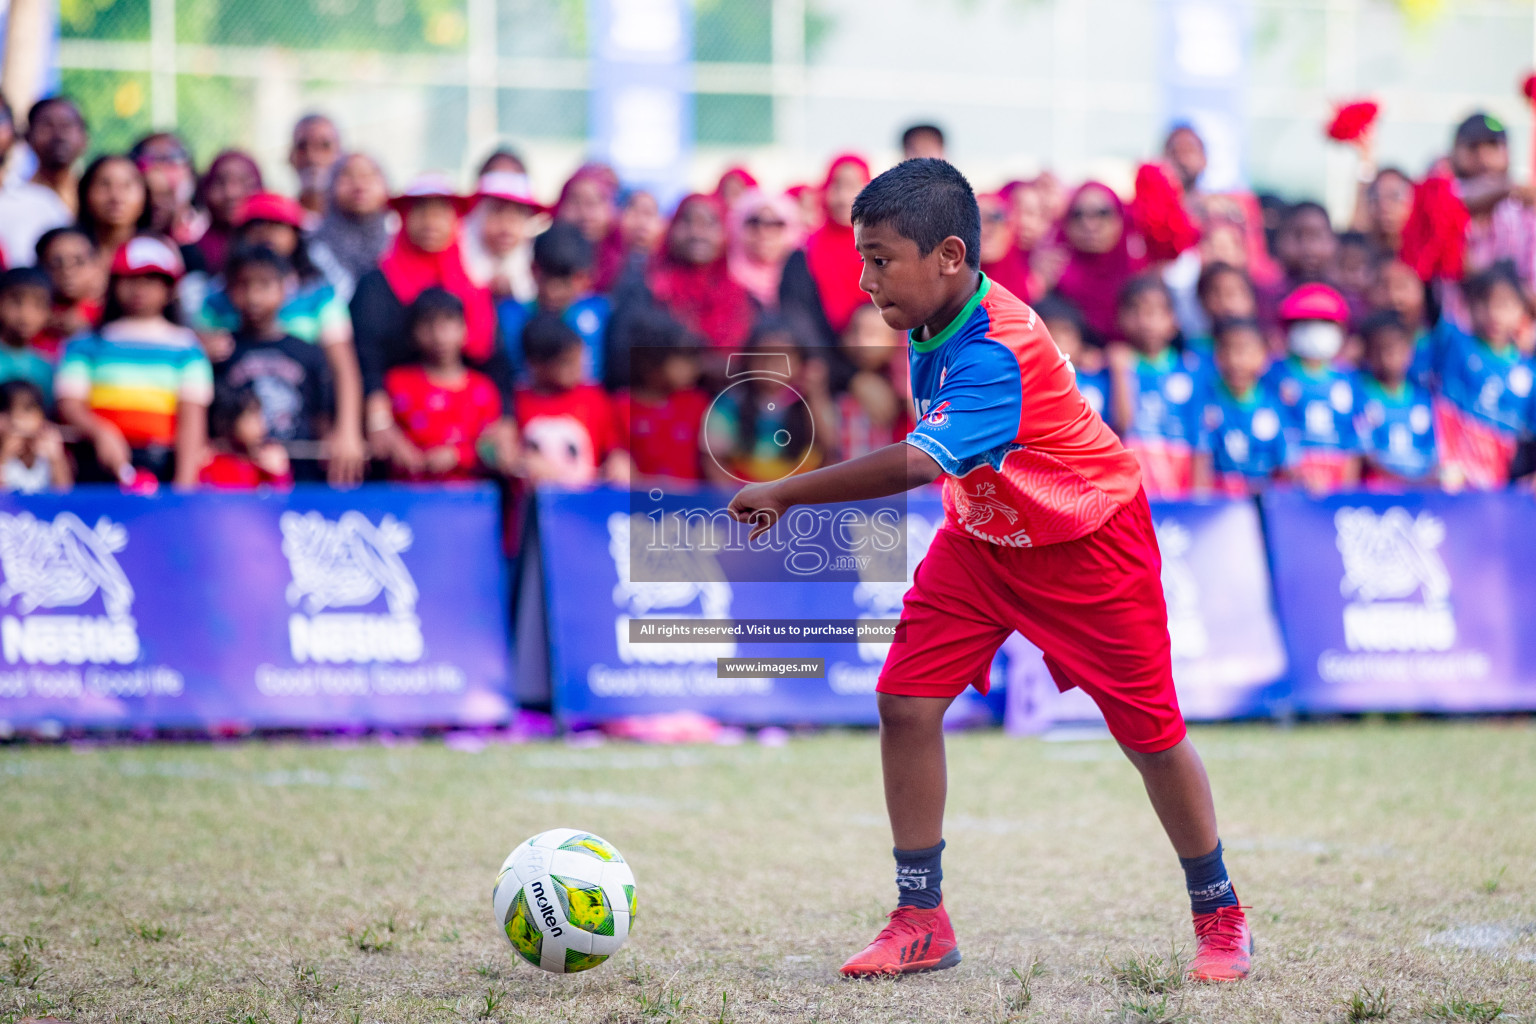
(1093, 605)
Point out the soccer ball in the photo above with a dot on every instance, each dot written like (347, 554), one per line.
(566, 900)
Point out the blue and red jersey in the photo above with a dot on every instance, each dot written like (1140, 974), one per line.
(1244, 436)
(1165, 427)
(1026, 461)
(1317, 413)
(1397, 431)
(1485, 407)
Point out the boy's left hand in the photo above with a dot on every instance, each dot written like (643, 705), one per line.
(760, 505)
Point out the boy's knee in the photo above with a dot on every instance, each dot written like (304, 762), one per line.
(898, 711)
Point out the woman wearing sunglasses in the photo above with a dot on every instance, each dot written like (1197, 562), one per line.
(762, 233)
(1102, 253)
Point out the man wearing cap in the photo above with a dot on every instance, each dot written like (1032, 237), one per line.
(1503, 226)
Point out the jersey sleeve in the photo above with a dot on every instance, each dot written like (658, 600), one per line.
(195, 383)
(974, 417)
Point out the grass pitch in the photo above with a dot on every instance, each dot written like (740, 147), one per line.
(1392, 868)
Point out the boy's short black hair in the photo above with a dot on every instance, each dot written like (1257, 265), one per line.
(926, 200)
(229, 404)
(916, 130)
(1142, 284)
(18, 278)
(562, 251)
(248, 256)
(47, 238)
(1480, 286)
(56, 99)
(433, 303)
(1294, 212)
(1227, 324)
(13, 391)
(546, 337)
(654, 337)
(1211, 271)
(1383, 320)
(1053, 307)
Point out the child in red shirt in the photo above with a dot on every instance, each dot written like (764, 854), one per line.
(69, 257)
(443, 409)
(241, 456)
(660, 419)
(1046, 531)
(569, 430)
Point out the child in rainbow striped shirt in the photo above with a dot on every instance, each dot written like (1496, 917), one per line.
(138, 387)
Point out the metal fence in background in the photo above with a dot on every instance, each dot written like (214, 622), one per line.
(1078, 85)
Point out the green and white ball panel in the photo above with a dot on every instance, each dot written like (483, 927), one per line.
(565, 900)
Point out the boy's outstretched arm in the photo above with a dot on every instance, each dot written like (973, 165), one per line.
(890, 470)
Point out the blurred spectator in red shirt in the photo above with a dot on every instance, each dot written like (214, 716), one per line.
(443, 409)
(661, 416)
(241, 456)
(569, 431)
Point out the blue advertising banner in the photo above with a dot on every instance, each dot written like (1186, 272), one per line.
(1227, 645)
(1415, 602)
(382, 606)
(640, 105)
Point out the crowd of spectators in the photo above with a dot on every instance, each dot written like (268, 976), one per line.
(164, 326)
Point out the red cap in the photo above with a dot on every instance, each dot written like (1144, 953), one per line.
(509, 186)
(430, 186)
(270, 206)
(147, 254)
(1314, 302)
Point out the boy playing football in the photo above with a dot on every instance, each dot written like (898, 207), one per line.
(1046, 531)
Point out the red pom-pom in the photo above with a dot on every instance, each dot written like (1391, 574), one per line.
(1158, 214)
(1353, 120)
(1529, 86)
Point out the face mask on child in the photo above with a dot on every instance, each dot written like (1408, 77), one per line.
(1315, 339)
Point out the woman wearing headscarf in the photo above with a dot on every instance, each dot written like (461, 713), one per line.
(589, 200)
(231, 179)
(427, 252)
(1001, 259)
(761, 236)
(820, 289)
(498, 235)
(691, 277)
(1101, 255)
(353, 235)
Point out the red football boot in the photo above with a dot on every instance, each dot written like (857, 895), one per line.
(915, 941)
(1225, 946)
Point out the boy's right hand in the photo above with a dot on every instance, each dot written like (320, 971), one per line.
(407, 458)
(442, 459)
(760, 505)
(112, 449)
